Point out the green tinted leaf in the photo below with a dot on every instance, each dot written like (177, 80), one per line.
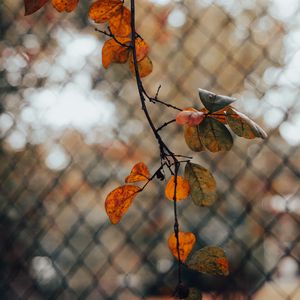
(214, 102)
(194, 294)
(214, 135)
(210, 260)
(192, 138)
(243, 126)
(202, 184)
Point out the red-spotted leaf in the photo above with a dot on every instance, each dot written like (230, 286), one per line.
(202, 184)
(243, 126)
(102, 10)
(64, 5)
(214, 102)
(119, 24)
(32, 6)
(187, 241)
(210, 260)
(182, 188)
(119, 200)
(214, 135)
(139, 172)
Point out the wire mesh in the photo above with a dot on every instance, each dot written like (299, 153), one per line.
(71, 131)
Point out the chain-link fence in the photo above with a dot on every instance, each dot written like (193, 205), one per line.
(71, 131)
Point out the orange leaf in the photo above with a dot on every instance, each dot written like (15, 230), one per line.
(218, 115)
(102, 10)
(186, 243)
(32, 6)
(119, 24)
(139, 172)
(182, 188)
(114, 52)
(141, 48)
(64, 5)
(145, 66)
(119, 200)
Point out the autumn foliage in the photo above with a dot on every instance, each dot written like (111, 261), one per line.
(208, 128)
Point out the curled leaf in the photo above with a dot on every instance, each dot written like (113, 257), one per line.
(214, 135)
(182, 188)
(202, 183)
(145, 66)
(210, 260)
(102, 10)
(139, 172)
(243, 126)
(119, 23)
(190, 118)
(32, 6)
(119, 200)
(192, 138)
(114, 52)
(64, 5)
(187, 241)
(214, 102)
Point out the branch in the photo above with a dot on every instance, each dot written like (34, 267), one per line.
(165, 152)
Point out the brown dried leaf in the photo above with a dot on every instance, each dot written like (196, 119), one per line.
(202, 183)
(187, 241)
(32, 6)
(145, 66)
(243, 126)
(139, 172)
(214, 135)
(210, 260)
(119, 200)
(102, 10)
(119, 24)
(182, 188)
(64, 5)
(113, 52)
(192, 138)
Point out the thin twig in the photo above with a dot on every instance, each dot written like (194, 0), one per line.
(165, 124)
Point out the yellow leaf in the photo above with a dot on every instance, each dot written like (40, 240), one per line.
(182, 188)
(187, 241)
(139, 172)
(119, 200)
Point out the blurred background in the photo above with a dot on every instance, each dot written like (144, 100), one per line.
(70, 132)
